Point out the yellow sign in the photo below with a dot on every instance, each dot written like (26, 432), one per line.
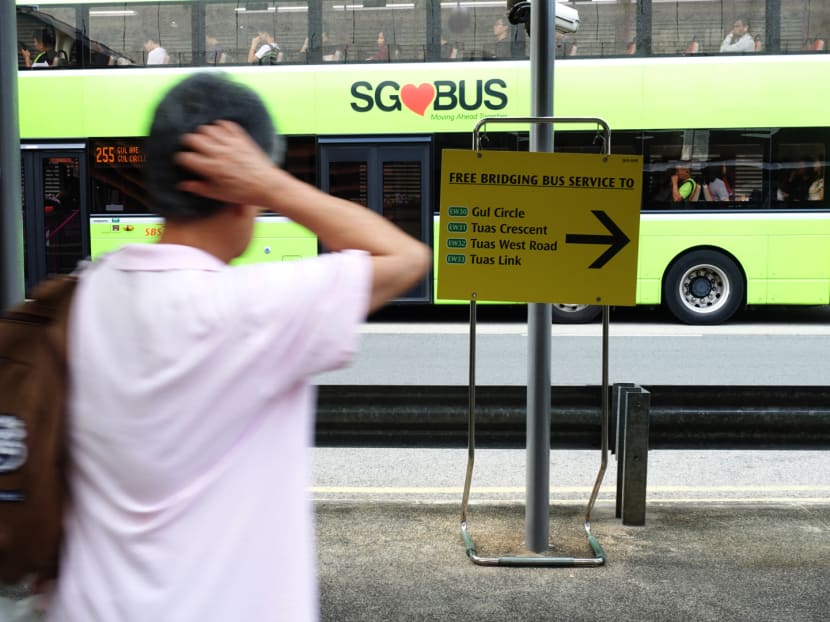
(539, 227)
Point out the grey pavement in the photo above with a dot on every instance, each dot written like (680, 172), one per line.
(729, 535)
(405, 561)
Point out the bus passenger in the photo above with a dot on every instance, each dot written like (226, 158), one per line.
(335, 48)
(191, 401)
(759, 44)
(715, 183)
(156, 55)
(382, 52)
(44, 43)
(331, 52)
(214, 52)
(794, 182)
(264, 50)
(683, 186)
(816, 190)
(739, 39)
(502, 47)
(448, 50)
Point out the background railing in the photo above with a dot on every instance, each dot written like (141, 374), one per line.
(681, 417)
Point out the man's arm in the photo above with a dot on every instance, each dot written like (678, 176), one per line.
(675, 193)
(252, 57)
(234, 169)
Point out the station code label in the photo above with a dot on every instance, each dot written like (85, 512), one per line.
(539, 227)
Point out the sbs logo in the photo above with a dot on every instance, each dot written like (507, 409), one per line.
(443, 95)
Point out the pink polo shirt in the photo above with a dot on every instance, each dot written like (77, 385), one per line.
(191, 414)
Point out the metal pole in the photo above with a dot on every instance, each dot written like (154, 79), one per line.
(11, 222)
(537, 517)
(772, 19)
(644, 20)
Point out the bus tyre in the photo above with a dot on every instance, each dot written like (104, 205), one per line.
(704, 287)
(563, 313)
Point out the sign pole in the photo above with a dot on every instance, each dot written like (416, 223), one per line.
(11, 223)
(537, 517)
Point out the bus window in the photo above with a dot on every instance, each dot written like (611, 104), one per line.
(128, 27)
(57, 27)
(798, 174)
(731, 162)
(738, 160)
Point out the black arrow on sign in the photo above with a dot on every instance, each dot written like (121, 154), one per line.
(617, 240)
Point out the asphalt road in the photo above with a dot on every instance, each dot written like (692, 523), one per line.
(762, 347)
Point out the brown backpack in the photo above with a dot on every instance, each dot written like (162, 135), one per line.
(32, 445)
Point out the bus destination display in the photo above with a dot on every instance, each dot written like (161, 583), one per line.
(118, 153)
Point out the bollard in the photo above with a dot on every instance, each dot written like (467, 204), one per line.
(619, 399)
(632, 444)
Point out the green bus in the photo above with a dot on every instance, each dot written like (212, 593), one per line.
(373, 131)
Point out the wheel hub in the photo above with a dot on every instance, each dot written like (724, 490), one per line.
(700, 287)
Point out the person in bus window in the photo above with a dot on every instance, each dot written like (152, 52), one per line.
(448, 50)
(264, 50)
(693, 47)
(794, 181)
(739, 39)
(334, 48)
(683, 186)
(44, 55)
(502, 47)
(715, 183)
(156, 55)
(759, 43)
(382, 52)
(191, 396)
(565, 46)
(815, 192)
(331, 52)
(214, 52)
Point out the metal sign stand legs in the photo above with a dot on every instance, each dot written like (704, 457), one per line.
(516, 560)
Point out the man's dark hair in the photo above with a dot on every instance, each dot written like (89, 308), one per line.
(200, 99)
(46, 37)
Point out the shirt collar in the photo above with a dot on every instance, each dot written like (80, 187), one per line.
(162, 257)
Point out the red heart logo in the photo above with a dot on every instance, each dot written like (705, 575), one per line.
(417, 98)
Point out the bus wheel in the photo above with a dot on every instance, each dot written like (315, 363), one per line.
(563, 313)
(704, 287)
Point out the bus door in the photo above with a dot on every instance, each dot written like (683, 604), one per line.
(391, 178)
(54, 210)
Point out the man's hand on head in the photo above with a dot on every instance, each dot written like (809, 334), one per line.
(227, 164)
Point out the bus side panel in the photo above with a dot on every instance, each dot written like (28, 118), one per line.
(278, 240)
(275, 238)
(784, 256)
(799, 262)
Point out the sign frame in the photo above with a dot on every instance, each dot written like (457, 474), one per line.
(599, 557)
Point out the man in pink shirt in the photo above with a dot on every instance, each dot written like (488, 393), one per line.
(191, 403)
